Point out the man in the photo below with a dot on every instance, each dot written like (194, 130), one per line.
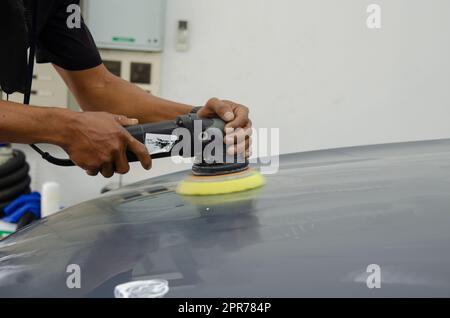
(94, 139)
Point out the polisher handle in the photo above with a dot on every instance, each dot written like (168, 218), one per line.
(141, 132)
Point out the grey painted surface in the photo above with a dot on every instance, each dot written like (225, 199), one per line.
(311, 231)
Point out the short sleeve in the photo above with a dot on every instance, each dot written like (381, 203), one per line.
(74, 48)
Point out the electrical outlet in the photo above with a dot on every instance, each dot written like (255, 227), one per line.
(183, 34)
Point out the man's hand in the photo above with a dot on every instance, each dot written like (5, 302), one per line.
(238, 128)
(97, 142)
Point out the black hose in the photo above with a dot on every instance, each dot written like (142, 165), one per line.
(14, 181)
(15, 177)
(17, 161)
(16, 190)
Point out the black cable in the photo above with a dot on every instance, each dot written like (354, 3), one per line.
(49, 158)
(26, 99)
(33, 43)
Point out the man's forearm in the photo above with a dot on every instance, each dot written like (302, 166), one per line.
(99, 90)
(30, 124)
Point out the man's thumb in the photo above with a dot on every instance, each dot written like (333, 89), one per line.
(125, 121)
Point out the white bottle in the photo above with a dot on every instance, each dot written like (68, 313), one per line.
(50, 199)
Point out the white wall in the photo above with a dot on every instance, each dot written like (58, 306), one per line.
(313, 68)
(308, 67)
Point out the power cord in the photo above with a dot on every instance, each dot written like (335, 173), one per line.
(26, 99)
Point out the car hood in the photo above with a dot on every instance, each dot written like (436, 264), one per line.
(313, 230)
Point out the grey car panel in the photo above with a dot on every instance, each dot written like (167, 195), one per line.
(313, 230)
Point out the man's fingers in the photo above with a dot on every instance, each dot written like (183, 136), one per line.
(92, 173)
(107, 170)
(121, 163)
(141, 153)
(240, 147)
(221, 108)
(239, 140)
(241, 117)
(234, 136)
(248, 153)
(125, 121)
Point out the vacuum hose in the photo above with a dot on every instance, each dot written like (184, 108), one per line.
(14, 179)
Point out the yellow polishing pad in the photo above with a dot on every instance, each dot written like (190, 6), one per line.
(215, 185)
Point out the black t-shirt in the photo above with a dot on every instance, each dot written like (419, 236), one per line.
(70, 48)
(73, 49)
